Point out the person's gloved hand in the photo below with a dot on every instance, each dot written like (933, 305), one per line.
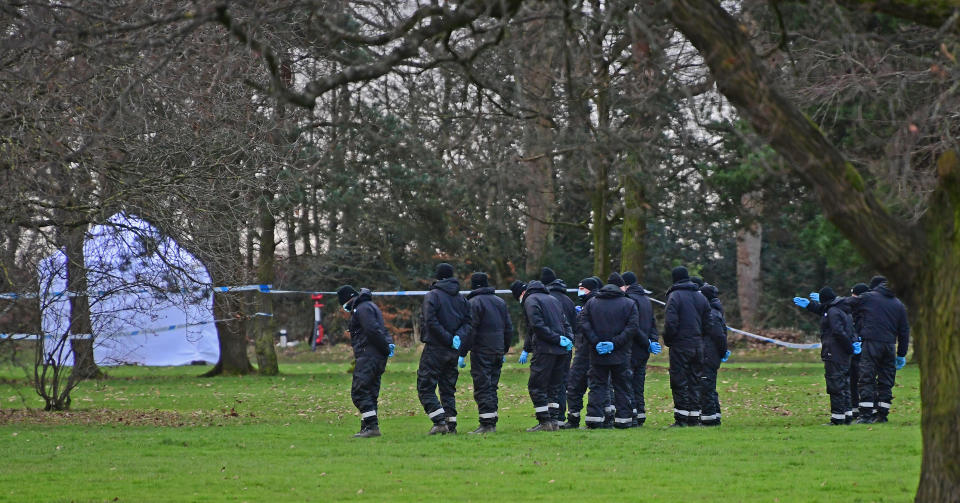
(857, 347)
(461, 362)
(901, 362)
(523, 358)
(392, 348)
(578, 308)
(604, 347)
(725, 356)
(655, 347)
(801, 302)
(814, 296)
(567, 343)
(504, 359)
(456, 342)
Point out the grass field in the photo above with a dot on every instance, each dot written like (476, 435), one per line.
(162, 434)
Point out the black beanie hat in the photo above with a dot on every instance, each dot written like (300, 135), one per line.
(697, 280)
(590, 283)
(547, 276)
(860, 288)
(615, 279)
(826, 295)
(444, 271)
(518, 287)
(629, 278)
(478, 280)
(345, 293)
(679, 274)
(877, 281)
(709, 291)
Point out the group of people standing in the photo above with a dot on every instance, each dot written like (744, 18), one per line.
(602, 345)
(864, 339)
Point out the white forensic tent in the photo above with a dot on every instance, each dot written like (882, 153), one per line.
(143, 288)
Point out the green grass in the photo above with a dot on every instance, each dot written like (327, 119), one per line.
(288, 438)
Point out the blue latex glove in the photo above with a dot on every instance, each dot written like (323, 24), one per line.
(578, 308)
(567, 343)
(456, 342)
(604, 347)
(801, 302)
(901, 362)
(814, 296)
(461, 362)
(725, 356)
(523, 358)
(504, 359)
(392, 348)
(857, 347)
(655, 347)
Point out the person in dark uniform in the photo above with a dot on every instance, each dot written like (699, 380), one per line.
(714, 353)
(446, 320)
(687, 317)
(580, 368)
(487, 341)
(856, 291)
(558, 290)
(885, 331)
(641, 352)
(372, 345)
(549, 338)
(610, 323)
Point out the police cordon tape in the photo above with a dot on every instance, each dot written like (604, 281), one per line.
(263, 288)
(152, 330)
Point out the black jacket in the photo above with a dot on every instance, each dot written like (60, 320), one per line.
(446, 313)
(367, 331)
(715, 338)
(837, 332)
(610, 317)
(648, 323)
(581, 339)
(545, 321)
(883, 318)
(558, 290)
(490, 327)
(687, 316)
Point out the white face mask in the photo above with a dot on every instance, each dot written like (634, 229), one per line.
(345, 308)
(582, 292)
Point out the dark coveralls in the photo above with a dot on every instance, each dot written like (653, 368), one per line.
(577, 377)
(641, 350)
(714, 347)
(545, 324)
(687, 317)
(445, 313)
(558, 403)
(837, 334)
(487, 341)
(610, 317)
(370, 341)
(886, 334)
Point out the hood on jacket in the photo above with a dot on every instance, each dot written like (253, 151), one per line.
(684, 285)
(487, 290)
(450, 286)
(535, 287)
(638, 290)
(610, 291)
(716, 304)
(557, 285)
(364, 296)
(883, 289)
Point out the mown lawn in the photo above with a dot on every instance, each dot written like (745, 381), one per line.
(162, 434)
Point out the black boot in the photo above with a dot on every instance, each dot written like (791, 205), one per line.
(547, 425)
(438, 429)
(573, 422)
(368, 432)
(452, 427)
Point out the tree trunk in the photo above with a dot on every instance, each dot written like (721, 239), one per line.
(936, 321)
(233, 340)
(84, 364)
(749, 246)
(266, 326)
(600, 230)
(633, 254)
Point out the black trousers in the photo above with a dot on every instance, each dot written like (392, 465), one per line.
(637, 384)
(485, 370)
(854, 383)
(618, 376)
(686, 372)
(558, 397)
(546, 371)
(577, 382)
(837, 374)
(438, 372)
(365, 389)
(709, 400)
(878, 372)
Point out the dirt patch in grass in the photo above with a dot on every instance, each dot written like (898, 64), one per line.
(102, 417)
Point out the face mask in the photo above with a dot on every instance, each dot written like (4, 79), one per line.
(582, 292)
(345, 308)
